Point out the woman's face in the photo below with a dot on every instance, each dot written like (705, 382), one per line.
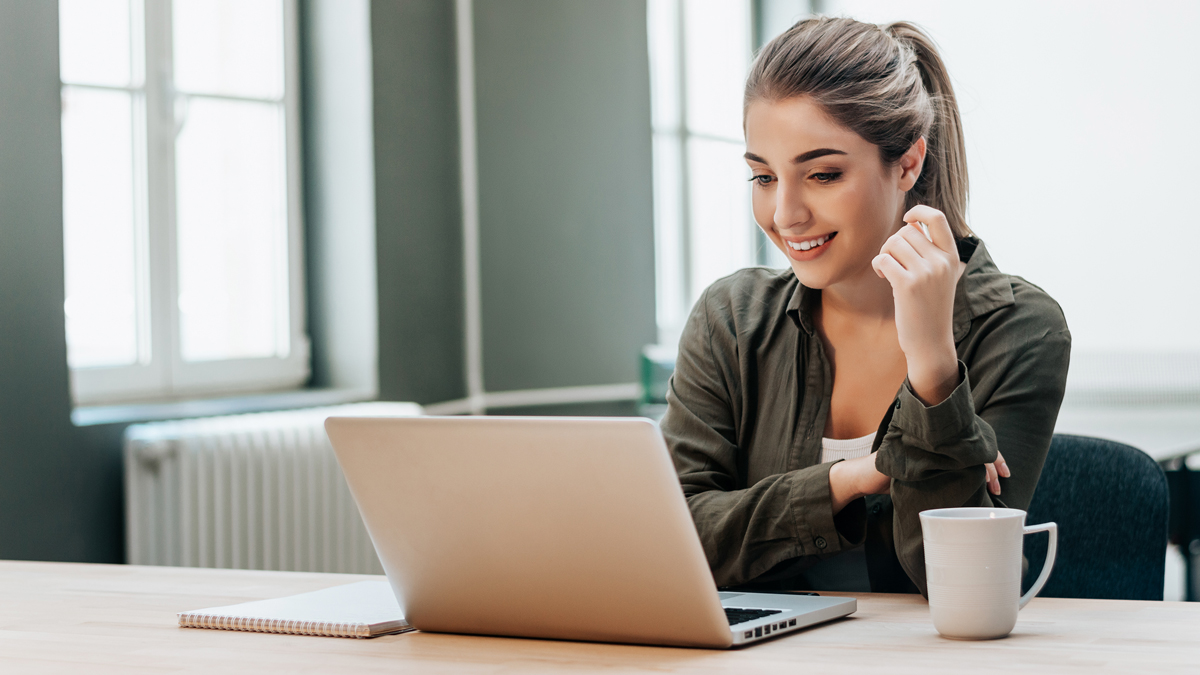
(821, 192)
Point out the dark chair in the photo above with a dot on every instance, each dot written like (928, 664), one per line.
(1111, 503)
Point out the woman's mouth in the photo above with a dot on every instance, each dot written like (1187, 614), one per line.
(808, 249)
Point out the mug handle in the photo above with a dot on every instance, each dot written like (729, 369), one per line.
(1052, 528)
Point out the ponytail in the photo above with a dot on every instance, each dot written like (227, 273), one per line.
(943, 180)
(887, 84)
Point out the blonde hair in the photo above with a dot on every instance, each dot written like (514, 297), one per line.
(887, 84)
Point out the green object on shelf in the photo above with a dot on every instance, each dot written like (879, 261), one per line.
(657, 365)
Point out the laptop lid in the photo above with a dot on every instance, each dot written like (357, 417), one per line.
(562, 528)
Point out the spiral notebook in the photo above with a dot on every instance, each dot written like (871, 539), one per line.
(361, 610)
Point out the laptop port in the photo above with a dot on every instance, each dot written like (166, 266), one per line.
(792, 622)
(749, 634)
(758, 632)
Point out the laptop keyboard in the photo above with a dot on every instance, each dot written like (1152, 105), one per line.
(737, 615)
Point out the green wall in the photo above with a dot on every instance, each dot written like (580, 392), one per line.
(417, 218)
(566, 230)
(60, 495)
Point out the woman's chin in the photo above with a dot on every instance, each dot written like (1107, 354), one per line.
(831, 270)
(810, 277)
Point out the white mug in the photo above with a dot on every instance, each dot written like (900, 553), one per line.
(973, 569)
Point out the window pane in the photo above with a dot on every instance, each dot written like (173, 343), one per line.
(229, 47)
(232, 241)
(99, 227)
(722, 238)
(668, 237)
(663, 29)
(94, 42)
(717, 44)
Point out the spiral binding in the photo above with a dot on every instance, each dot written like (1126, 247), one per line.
(291, 627)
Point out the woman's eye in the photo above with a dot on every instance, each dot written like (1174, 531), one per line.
(762, 180)
(827, 177)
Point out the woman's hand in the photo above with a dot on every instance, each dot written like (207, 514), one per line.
(923, 273)
(994, 471)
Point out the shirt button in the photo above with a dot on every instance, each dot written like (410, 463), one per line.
(820, 542)
(897, 404)
(877, 508)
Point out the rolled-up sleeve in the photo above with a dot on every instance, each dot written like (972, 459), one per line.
(936, 454)
(746, 530)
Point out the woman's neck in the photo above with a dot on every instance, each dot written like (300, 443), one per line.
(864, 296)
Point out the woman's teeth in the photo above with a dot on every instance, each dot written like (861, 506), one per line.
(810, 244)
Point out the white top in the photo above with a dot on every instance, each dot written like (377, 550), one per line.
(833, 449)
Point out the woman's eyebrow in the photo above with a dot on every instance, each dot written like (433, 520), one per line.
(813, 154)
(801, 158)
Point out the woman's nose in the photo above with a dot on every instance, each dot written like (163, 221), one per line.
(790, 208)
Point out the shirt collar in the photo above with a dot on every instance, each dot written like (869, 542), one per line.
(981, 289)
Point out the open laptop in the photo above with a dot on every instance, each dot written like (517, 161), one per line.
(564, 528)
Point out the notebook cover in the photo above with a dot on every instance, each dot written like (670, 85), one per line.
(360, 610)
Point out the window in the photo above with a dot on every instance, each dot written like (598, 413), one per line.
(181, 200)
(700, 54)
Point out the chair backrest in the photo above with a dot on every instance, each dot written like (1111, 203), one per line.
(1111, 503)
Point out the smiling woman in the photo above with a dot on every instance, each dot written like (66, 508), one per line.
(892, 368)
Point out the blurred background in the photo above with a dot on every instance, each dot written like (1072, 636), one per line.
(215, 207)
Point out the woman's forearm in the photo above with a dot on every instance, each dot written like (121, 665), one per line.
(746, 533)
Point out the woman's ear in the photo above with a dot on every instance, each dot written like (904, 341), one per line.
(911, 163)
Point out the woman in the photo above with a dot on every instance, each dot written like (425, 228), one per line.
(815, 412)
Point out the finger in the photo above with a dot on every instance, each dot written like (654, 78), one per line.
(1002, 466)
(920, 243)
(939, 227)
(993, 482)
(887, 267)
(904, 253)
(875, 266)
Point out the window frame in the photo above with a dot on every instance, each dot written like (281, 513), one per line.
(676, 248)
(161, 372)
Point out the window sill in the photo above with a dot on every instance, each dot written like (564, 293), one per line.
(83, 416)
(1163, 431)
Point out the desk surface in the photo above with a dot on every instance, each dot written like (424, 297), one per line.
(59, 617)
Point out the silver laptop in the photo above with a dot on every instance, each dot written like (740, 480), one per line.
(564, 528)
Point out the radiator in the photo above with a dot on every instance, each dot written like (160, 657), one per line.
(258, 491)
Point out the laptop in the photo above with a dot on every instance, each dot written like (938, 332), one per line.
(562, 528)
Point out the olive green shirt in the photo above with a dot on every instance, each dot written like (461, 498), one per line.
(747, 407)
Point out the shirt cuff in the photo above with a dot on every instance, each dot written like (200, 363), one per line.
(939, 424)
(922, 440)
(818, 530)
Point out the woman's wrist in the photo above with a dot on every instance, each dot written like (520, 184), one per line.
(854, 479)
(934, 377)
(843, 485)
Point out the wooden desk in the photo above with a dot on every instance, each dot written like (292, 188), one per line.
(60, 617)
